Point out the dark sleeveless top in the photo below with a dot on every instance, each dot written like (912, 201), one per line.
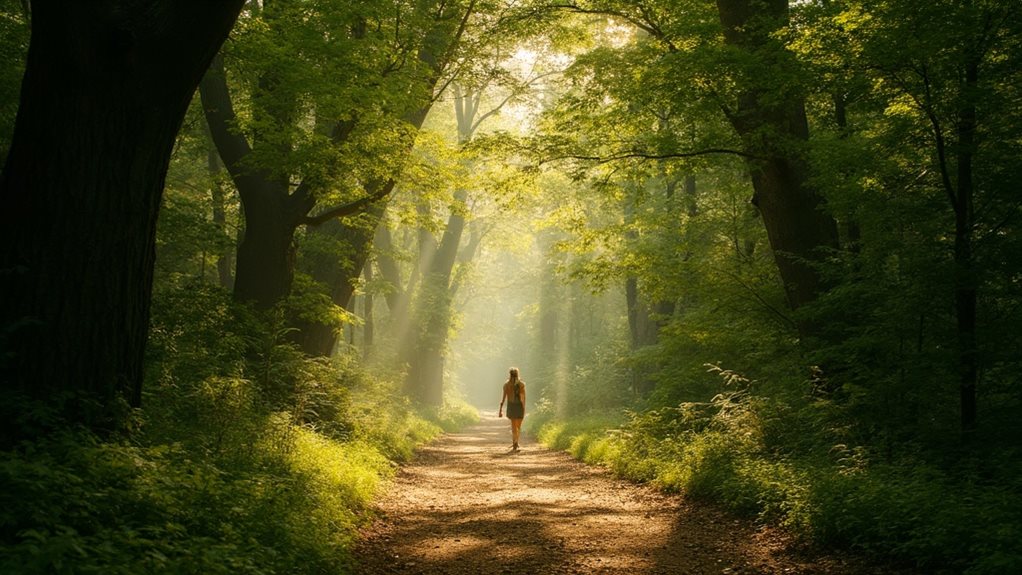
(515, 408)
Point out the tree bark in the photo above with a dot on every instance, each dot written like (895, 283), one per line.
(266, 254)
(965, 281)
(425, 374)
(225, 259)
(773, 128)
(102, 100)
(266, 251)
(368, 332)
(338, 272)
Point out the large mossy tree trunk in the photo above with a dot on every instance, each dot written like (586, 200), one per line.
(774, 130)
(104, 94)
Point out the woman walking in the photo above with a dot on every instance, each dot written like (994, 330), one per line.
(514, 393)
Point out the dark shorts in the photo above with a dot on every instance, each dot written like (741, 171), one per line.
(515, 410)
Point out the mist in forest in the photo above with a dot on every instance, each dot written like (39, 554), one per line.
(496, 326)
(764, 254)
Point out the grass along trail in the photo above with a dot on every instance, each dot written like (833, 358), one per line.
(467, 504)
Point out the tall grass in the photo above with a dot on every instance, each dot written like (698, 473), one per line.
(730, 451)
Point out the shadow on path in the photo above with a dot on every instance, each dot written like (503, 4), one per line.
(468, 504)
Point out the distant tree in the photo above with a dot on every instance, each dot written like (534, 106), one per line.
(457, 40)
(735, 69)
(426, 353)
(104, 93)
(325, 101)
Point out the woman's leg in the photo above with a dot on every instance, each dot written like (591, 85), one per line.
(516, 430)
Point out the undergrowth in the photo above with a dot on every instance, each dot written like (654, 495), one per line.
(959, 519)
(248, 458)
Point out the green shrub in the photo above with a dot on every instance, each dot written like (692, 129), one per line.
(74, 505)
(249, 458)
(905, 511)
(455, 414)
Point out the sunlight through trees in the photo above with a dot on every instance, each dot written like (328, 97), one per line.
(765, 253)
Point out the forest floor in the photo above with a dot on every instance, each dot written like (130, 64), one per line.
(467, 504)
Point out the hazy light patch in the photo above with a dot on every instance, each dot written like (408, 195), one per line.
(617, 34)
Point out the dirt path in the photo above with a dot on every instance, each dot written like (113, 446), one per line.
(468, 505)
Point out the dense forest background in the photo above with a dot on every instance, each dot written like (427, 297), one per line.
(253, 253)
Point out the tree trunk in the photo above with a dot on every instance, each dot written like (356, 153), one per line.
(645, 318)
(265, 262)
(368, 332)
(349, 246)
(101, 103)
(965, 281)
(271, 282)
(796, 228)
(225, 259)
(773, 128)
(437, 47)
(425, 375)
(327, 263)
(318, 338)
(266, 254)
(391, 272)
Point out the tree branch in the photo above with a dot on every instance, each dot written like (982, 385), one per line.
(647, 156)
(644, 26)
(938, 136)
(349, 208)
(303, 199)
(784, 319)
(514, 92)
(219, 111)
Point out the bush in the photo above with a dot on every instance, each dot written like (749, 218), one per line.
(249, 458)
(726, 451)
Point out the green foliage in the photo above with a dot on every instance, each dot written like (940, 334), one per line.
(914, 512)
(455, 414)
(891, 164)
(14, 36)
(850, 437)
(249, 458)
(907, 510)
(75, 505)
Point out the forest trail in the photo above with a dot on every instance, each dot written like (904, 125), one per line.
(467, 505)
